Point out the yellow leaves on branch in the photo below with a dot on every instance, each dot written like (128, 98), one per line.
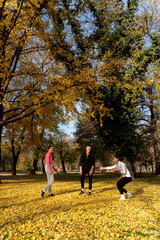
(38, 79)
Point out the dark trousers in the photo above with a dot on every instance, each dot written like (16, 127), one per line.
(122, 182)
(82, 179)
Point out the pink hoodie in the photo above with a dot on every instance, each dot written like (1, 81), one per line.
(49, 161)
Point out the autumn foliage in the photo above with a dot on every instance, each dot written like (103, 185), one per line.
(26, 215)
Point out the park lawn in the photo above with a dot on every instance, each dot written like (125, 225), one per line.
(24, 214)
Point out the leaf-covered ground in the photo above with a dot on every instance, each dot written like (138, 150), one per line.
(24, 214)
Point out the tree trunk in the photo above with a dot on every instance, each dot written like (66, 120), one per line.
(62, 162)
(0, 144)
(153, 134)
(152, 168)
(0, 148)
(4, 167)
(43, 168)
(63, 166)
(1, 127)
(1, 119)
(14, 171)
(134, 170)
(33, 171)
(158, 168)
(156, 157)
(15, 157)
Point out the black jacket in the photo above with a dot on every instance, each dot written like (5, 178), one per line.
(87, 162)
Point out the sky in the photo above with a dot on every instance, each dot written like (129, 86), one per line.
(68, 128)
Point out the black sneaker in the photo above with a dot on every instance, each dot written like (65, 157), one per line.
(89, 193)
(82, 192)
(51, 195)
(42, 193)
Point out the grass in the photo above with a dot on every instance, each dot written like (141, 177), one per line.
(24, 214)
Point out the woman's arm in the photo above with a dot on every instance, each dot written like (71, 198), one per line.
(54, 169)
(109, 168)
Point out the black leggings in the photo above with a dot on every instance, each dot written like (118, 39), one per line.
(122, 182)
(90, 179)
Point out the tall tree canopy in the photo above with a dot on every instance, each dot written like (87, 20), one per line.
(128, 49)
(44, 59)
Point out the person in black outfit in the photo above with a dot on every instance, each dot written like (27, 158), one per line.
(87, 163)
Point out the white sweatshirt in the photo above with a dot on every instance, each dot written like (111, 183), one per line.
(122, 168)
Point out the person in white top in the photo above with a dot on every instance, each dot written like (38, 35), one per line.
(126, 176)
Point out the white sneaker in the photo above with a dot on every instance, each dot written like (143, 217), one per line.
(129, 195)
(122, 198)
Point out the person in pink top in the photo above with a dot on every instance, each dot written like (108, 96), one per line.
(49, 171)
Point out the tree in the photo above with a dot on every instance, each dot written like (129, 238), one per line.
(145, 68)
(145, 156)
(122, 37)
(14, 153)
(32, 133)
(87, 134)
(114, 21)
(60, 145)
(6, 163)
(120, 133)
(15, 135)
(15, 31)
(26, 41)
(70, 154)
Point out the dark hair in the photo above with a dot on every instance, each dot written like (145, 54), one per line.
(48, 148)
(116, 155)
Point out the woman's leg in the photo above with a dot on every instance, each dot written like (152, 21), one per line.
(50, 178)
(50, 181)
(122, 182)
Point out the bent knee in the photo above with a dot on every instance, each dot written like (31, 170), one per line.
(52, 180)
(117, 184)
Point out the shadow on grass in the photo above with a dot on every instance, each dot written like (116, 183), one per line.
(149, 178)
(139, 191)
(105, 189)
(35, 199)
(71, 177)
(67, 177)
(47, 209)
(21, 178)
(18, 204)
